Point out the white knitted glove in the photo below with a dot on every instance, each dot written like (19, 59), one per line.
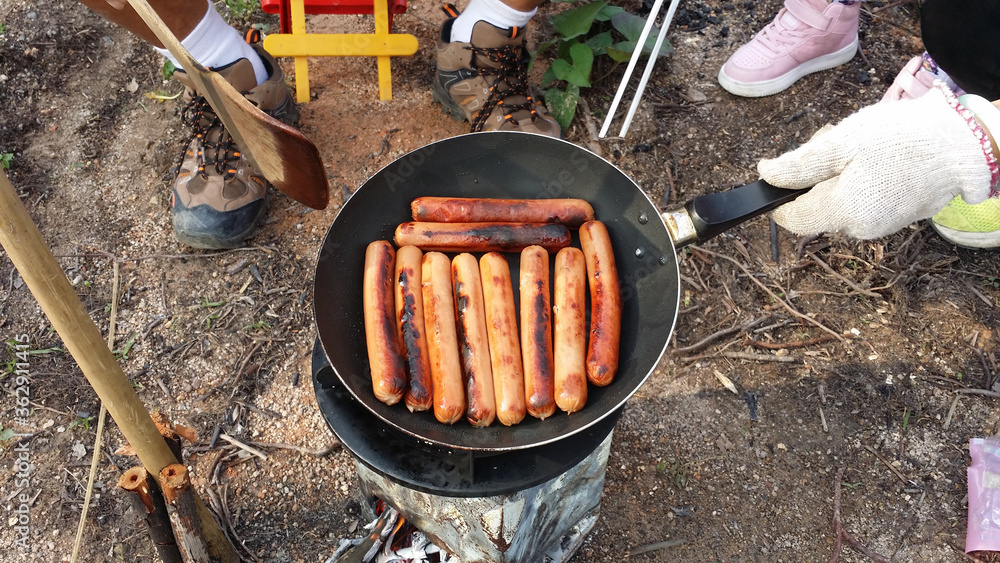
(882, 168)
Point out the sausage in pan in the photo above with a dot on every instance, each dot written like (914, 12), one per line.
(382, 339)
(572, 212)
(442, 340)
(473, 343)
(569, 320)
(501, 328)
(605, 303)
(410, 322)
(536, 332)
(482, 237)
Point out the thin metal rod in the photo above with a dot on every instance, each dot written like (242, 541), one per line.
(631, 66)
(649, 67)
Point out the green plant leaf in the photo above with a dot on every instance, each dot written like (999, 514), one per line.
(562, 104)
(600, 42)
(630, 26)
(549, 77)
(576, 22)
(168, 69)
(576, 71)
(607, 12)
(6, 434)
(619, 55)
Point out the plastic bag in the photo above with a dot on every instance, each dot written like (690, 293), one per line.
(984, 495)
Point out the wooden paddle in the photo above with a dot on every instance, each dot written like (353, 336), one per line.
(283, 155)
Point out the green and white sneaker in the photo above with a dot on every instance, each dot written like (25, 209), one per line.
(971, 226)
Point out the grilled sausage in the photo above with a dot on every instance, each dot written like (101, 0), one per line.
(482, 237)
(501, 328)
(572, 212)
(410, 323)
(473, 343)
(569, 321)
(536, 332)
(442, 340)
(384, 351)
(605, 303)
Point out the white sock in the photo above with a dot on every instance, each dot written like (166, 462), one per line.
(491, 11)
(214, 43)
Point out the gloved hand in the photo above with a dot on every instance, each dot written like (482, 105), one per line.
(881, 169)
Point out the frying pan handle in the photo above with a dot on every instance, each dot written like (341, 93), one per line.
(709, 215)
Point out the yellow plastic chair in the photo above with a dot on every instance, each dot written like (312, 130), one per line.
(298, 44)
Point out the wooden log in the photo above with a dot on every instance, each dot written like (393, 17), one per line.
(27, 250)
(148, 500)
(183, 514)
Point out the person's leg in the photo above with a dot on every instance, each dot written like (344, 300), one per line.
(504, 14)
(181, 16)
(482, 68)
(805, 37)
(196, 23)
(219, 199)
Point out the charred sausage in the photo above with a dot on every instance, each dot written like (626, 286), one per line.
(569, 321)
(382, 339)
(473, 343)
(605, 303)
(572, 212)
(501, 328)
(442, 340)
(410, 322)
(536, 332)
(482, 237)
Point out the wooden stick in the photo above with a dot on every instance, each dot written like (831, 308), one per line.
(183, 514)
(243, 446)
(99, 439)
(149, 501)
(45, 278)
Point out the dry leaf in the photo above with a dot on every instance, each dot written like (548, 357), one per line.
(727, 382)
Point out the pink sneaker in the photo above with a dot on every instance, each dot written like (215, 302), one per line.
(917, 78)
(805, 37)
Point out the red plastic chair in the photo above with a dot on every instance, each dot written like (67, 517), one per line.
(282, 8)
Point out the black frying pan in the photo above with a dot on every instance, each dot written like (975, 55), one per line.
(521, 165)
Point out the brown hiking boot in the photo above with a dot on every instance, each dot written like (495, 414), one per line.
(219, 199)
(486, 81)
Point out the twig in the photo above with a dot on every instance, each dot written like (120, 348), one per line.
(672, 194)
(787, 345)
(759, 357)
(777, 299)
(708, 340)
(864, 57)
(318, 453)
(836, 274)
(982, 392)
(895, 471)
(951, 412)
(822, 420)
(96, 457)
(890, 5)
(841, 534)
(976, 292)
(655, 546)
(243, 446)
(783, 323)
(588, 119)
